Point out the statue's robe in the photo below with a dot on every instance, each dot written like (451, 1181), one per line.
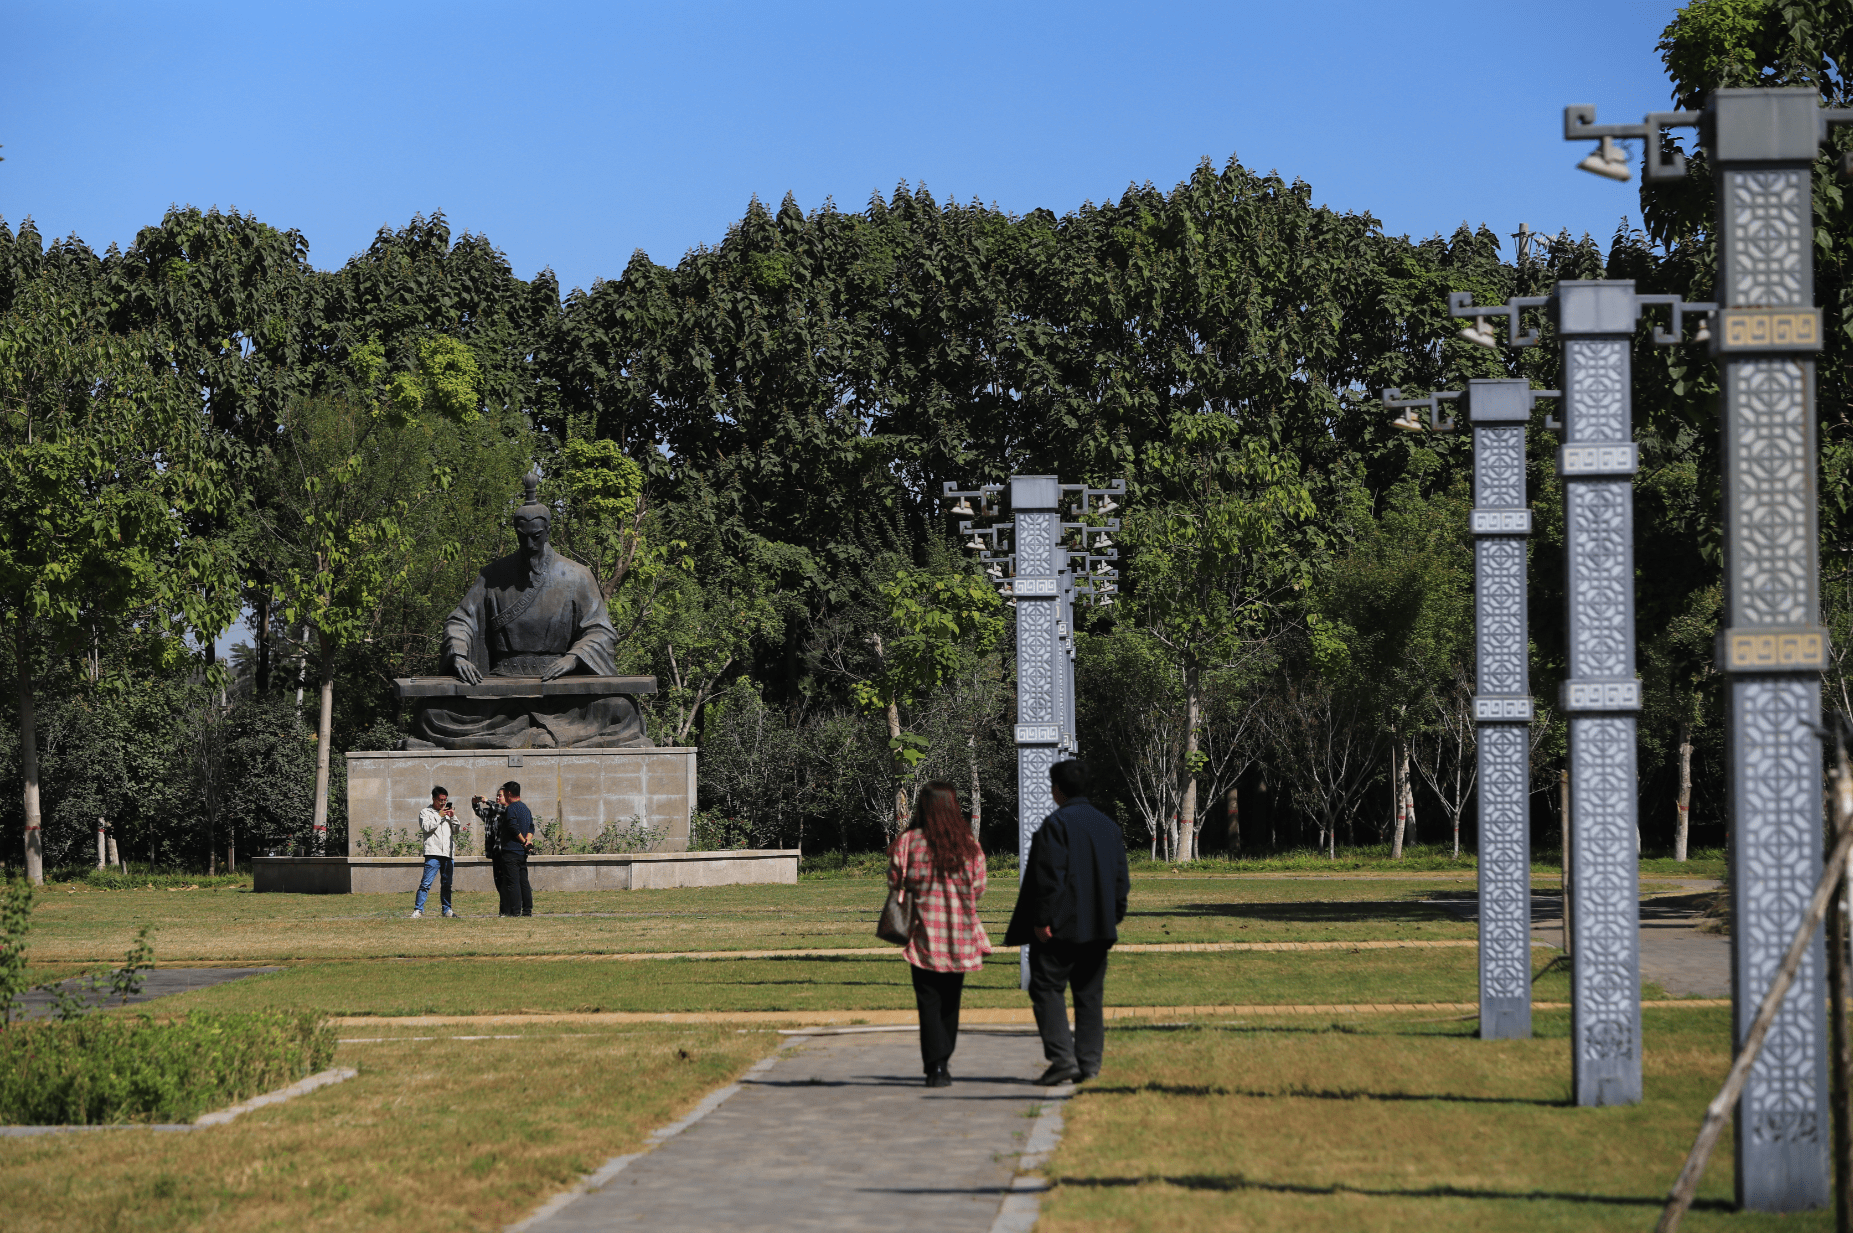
(515, 622)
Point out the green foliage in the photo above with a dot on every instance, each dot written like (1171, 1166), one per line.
(105, 473)
(104, 1070)
(933, 616)
(16, 895)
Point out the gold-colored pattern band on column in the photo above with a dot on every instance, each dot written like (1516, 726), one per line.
(1772, 650)
(1761, 329)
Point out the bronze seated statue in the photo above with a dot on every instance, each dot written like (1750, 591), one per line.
(537, 621)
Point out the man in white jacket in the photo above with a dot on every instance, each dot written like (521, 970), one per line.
(439, 823)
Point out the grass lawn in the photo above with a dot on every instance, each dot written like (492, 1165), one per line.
(513, 986)
(1377, 1122)
(440, 1134)
(74, 923)
(78, 925)
(1386, 1124)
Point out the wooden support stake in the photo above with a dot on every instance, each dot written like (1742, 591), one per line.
(1563, 885)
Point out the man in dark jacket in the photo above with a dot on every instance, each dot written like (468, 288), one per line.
(1068, 911)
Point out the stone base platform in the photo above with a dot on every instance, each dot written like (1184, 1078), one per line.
(581, 791)
(396, 875)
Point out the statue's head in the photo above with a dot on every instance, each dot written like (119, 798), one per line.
(533, 520)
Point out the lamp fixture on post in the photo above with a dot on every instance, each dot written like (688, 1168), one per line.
(1608, 160)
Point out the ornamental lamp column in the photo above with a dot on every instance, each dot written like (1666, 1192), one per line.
(1503, 708)
(1761, 145)
(1597, 461)
(1032, 569)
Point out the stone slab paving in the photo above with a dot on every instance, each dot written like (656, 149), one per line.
(158, 983)
(838, 1133)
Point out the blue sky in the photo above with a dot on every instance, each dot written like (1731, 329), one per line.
(572, 134)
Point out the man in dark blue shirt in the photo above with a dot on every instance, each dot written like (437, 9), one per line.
(517, 843)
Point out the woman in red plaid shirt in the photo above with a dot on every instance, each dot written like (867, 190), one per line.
(941, 867)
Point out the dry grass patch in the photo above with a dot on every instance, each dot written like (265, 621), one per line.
(1385, 1124)
(433, 1134)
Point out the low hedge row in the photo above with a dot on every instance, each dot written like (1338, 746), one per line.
(109, 1069)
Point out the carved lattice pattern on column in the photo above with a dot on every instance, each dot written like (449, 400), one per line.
(1778, 799)
(1769, 467)
(1499, 610)
(1600, 535)
(1505, 881)
(1606, 972)
(1769, 218)
(1596, 390)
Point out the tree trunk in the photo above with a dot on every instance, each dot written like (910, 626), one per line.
(29, 759)
(1187, 814)
(1232, 808)
(263, 642)
(1409, 827)
(1399, 770)
(323, 731)
(971, 755)
(900, 782)
(1684, 807)
(102, 845)
(115, 858)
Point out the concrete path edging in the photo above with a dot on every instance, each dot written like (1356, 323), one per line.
(1023, 1205)
(301, 1087)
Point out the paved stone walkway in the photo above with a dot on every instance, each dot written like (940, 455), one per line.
(838, 1133)
(158, 983)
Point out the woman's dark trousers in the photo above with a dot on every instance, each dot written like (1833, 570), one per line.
(517, 895)
(937, 996)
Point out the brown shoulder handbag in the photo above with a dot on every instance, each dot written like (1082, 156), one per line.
(897, 916)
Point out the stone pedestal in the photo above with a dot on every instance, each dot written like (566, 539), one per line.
(399, 875)
(584, 789)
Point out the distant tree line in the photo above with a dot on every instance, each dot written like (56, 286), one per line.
(747, 450)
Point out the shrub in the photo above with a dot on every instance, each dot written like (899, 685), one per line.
(109, 1069)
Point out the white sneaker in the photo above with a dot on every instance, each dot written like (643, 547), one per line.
(448, 913)
(417, 913)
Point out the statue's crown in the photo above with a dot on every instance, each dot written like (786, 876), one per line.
(531, 506)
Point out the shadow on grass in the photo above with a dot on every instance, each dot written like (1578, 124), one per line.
(1235, 1181)
(1305, 1093)
(1376, 911)
(1420, 1027)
